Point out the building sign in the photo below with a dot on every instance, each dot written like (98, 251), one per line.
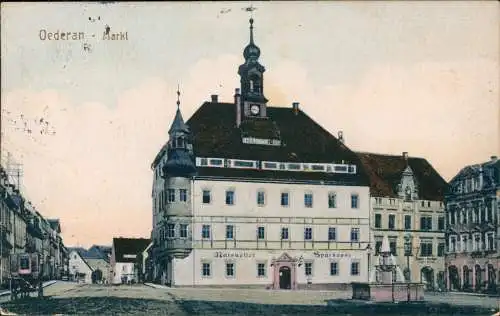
(243, 254)
(318, 254)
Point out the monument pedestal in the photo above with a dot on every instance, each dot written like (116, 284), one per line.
(396, 292)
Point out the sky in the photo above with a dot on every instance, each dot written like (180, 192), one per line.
(86, 124)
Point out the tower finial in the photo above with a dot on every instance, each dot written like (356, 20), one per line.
(251, 30)
(178, 97)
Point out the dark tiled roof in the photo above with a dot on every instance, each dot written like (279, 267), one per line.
(491, 174)
(385, 173)
(129, 246)
(214, 133)
(100, 252)
(55, 224)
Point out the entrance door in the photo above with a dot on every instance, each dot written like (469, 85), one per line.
(285, 278)
(427, 275)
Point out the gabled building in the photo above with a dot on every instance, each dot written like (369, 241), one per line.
(124, 254)
(473, 228)
(250, 194)
(407, 197)
(79, 269)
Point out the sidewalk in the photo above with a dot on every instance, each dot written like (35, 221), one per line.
(45, 284)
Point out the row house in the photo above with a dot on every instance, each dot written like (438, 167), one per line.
(407, 199)
(473, 227)
(24, 230)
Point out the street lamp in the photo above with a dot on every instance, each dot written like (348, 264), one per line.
(408, 253)
(369, 253)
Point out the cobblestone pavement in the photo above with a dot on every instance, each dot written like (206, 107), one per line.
(65, 298)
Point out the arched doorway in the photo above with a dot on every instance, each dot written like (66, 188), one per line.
(454, 278)
(285, 278)
(441, 283)
(467, 278)
(427, 276)
(492, 287)
(285, 272)
(479, 277)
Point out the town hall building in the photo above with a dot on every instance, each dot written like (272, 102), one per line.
(249, 194)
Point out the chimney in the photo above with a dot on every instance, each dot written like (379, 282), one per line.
(295, 107)
(341, 136)
(494, 158)
(237, 102)
(215, 98)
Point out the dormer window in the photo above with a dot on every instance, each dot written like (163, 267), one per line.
(180, 142)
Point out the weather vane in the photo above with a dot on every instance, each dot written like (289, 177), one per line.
(250, 9)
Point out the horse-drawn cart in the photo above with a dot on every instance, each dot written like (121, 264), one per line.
(26, 276)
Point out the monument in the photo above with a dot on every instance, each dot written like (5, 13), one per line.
(386, 282)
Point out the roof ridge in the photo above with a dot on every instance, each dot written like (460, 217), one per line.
(387, 155)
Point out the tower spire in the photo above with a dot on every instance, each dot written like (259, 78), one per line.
(251, 30)
(178, 97)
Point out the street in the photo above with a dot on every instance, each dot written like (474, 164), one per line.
(64, 298)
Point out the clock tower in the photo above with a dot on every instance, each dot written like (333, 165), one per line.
(253, 101)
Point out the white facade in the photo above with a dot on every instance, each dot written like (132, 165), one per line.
(78, 268)
(329, 238)
(123, 272)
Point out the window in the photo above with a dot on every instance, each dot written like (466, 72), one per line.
(170, 195)
(308, 268)
(378, 246)
(392, 221)
(334, 268)
(441, 223)
(260, 232)
(230, 269)
(332, 200)
(205, 232)
(354, 234)
(229, 231)
(284, 199)
(284, 233)
(229, 197)
(183, 195)
(490, 245)
(308, 233)
(407, 221)
(378, 221)
(426, 248)
(354, 201)
(453, 244)
(261, 269)
(332, 233)
(205, 269)
(354, 268)
(393, 247)
(261, 198)
(184, 230)
(206, 196)
(426, 223)
(440, 249)
(308, 200)
(170, 230)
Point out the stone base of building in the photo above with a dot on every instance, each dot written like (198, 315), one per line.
(313, 287)
(397, 292)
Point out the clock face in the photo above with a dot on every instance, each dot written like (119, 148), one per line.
(255, 109)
